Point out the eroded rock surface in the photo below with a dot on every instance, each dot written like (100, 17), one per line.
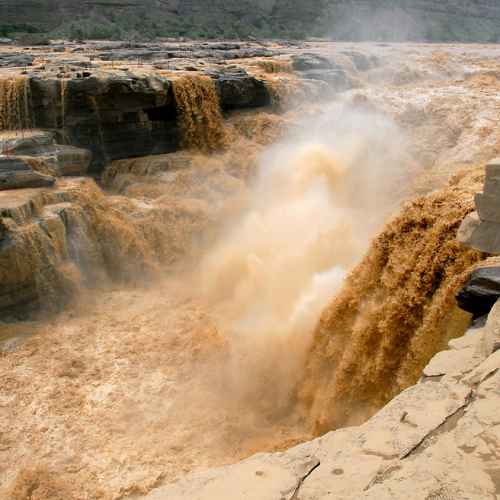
(438, 439)
(481, 291)
(17, 173)
(39, 150)
(481, 230)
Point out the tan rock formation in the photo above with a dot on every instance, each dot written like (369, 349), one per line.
(438, 439)
(481, 230)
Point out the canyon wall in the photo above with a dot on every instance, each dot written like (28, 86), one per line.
(120, 115)
(431, 20)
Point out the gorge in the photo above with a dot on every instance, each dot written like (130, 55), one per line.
(210, 250)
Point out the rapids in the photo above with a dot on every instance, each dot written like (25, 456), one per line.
(274, 280)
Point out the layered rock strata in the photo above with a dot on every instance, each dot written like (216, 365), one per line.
(481, 229)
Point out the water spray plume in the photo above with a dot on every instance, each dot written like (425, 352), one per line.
(276, 266)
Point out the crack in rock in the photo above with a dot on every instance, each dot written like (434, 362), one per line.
(457, 413)
(311, 467)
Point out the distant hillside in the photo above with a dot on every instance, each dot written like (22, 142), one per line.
(429, 20)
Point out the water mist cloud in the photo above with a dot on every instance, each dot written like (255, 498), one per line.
(319, 197)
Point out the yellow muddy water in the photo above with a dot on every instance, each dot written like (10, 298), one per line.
(15, 105)
(395, 311)
(200, 116)
(192, 338)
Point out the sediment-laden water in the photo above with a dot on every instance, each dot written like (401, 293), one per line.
(275, 279)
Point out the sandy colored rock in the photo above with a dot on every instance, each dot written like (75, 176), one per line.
(484, 237)
(437, 439)
(468, 227)
(488, 207)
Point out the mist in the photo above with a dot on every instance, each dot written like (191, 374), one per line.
(318, 198)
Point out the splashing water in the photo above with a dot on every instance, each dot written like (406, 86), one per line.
(275, 269)
(395, 311)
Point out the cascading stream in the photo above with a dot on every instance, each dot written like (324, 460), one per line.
(15, 104)
(395, 311)
(199, 113)
(226, 302)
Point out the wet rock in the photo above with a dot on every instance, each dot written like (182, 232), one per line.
(69, 160)
(16, 173)
(336, 79)
(237, 90)
(128, 55)
(9, 59)
(308, 61)
(481, 291)
(19, 205)
(112, 115)
(26, 143)
(41, 146)
(33, 258)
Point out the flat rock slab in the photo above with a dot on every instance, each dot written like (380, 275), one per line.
(25, 142)
(22, 204)
(65, 160)
(16, 173)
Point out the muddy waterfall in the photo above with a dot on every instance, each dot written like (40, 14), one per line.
(225, 249)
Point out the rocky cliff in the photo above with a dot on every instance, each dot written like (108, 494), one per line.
(352, 20)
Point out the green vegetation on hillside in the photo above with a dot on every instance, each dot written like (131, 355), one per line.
(383, 20)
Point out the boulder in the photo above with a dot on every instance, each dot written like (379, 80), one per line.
(488, 207)
(467, 228)
(481, 230)
(237, 89)
(336, 79)
(481, 235)
(492, 180)
(16, 173)
(309, 61)
(480, 292)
